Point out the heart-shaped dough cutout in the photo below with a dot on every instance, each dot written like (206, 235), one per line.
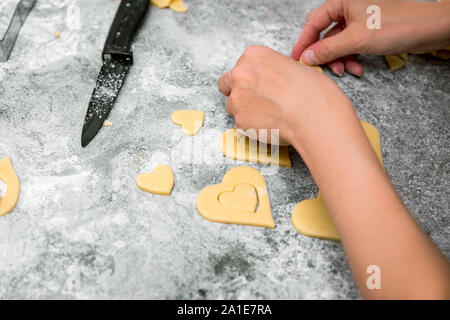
(178, 6)
(210, 207)
(190, 120)
(243, 198)
(9, 177)
(159, 181)
(161, 3)
(236, 146)
(311, 217)
(175, 5)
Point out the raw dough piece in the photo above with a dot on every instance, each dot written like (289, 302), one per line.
(243, 198)
(159, 181)
(236, 146)
(442, 53)
(318, 68)
(190, 120)
(178, 6)
(161, 3)
(175, 5)
(396, 61)
(233, 200)
(311, 217)
(9, 177)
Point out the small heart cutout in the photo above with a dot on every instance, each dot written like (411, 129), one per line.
(234, 200)
(159, 181)
(311, 217)
(242, 198)
(9, 177)
(190, 120)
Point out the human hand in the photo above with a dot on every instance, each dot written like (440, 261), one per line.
(267, 90)
(406, 27)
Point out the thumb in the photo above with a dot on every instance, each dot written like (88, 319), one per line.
(329, 49)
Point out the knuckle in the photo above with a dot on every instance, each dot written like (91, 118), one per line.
(238, 121)
(237, 74)
(235, 97)
(254, 51)
(325, 51)
(310, 15)
(232, 101)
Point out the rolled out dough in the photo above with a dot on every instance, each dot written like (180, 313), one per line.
(190, 120)
(9, 177)
(159, 181)
(241, 198)
(311, 217)
(178, 6)
(318, 68)
(396, 61)
(161, 3)
(442, 53)
(236, 146)
(175, 5)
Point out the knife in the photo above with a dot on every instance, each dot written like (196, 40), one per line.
(117, 60)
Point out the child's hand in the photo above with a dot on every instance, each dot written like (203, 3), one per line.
(406, 27)
(268, 90)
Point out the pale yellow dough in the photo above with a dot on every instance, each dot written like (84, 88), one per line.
(178, 6)
(236, 146)
(318, 68)
(159, 181)
(241, 198)
(161, 3)
(442, 53)
(175, 5)
(396, 61)
(9, 177)
(190, 120)
(311, 217)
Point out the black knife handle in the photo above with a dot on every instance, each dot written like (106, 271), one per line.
(123, 28)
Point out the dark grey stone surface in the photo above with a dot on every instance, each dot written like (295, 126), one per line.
(82, 229)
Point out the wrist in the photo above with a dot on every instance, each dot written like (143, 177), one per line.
(428, 25)
(315, 127)
(336, 149)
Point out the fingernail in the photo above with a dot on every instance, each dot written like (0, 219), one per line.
(336, 72)
(356, 71)
(309, 57)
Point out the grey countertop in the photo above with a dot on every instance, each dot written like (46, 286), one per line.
(82, 229)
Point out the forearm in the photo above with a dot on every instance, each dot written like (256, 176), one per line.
(373, 223)
(411, 27)
(435, 33)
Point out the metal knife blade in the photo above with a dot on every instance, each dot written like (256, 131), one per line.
(109, 82)
(117, 60)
